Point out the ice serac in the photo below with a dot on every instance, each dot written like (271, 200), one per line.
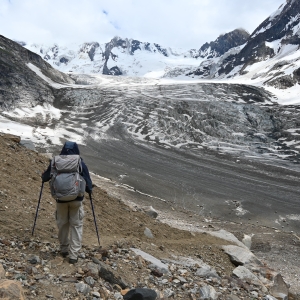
(223, 43)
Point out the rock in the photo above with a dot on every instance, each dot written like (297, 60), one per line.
(11, 290)
(207, 292)
(241, 256)
(108, 274)
(96, 294)
(150, 211)
(140, 294)
(2, 272)
(247, 241)
(96, 260)
(244, 274)
(82, 288)
(268, 297)
(28, 144)
(155, 263)
(90, 281)
(207, 272)
(156, 273)
(34, 259)
(227, 236)
(93, 270)
(279, 289)
(148, 233)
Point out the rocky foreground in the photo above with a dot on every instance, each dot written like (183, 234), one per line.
(137, 251)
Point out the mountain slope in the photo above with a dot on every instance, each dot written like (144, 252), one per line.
(270, 55)
(223, 43)
(18, 83)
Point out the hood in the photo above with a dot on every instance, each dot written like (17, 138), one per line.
(70, 148)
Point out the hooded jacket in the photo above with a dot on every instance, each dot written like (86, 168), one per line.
(71, 148)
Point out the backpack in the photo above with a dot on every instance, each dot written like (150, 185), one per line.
(66, 183)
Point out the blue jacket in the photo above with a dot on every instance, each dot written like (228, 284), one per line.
(71, 148)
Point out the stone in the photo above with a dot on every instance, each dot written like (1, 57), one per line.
(2, 272)
(269, 297)
(140, 294)
(207, 292)
(93, 270)
(83, 288)
(277, 287)
(148, 233)
(11, 290)
(96, 294)
(90, 281)
(244, 274)
(227, 236)
(150, 211)
(108, 274)
(34, 259)
(241, 256)
(207, 272)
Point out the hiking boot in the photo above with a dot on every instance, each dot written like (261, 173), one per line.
(73, 260)
(64, 254)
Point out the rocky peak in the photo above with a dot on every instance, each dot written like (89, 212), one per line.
(223, 43)
(90, 49)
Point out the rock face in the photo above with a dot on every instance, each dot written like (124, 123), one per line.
(11, 290)
(223, 43)
(18, 83)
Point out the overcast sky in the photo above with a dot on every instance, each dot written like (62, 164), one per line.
(176, 23)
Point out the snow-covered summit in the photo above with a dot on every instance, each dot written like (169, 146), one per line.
(117, 57)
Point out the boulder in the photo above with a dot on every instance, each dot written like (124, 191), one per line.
(207, 272)
(150, 211)
(227, 236)
(106, 273)
(244, 274)
(279, 288)
(241, 256)
(148, 233)
(11, 290)
(276, 285)
(207, 292)
(140, 294)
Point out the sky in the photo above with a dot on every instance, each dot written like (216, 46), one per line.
(186, 24)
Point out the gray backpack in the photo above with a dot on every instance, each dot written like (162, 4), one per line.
(66, 183)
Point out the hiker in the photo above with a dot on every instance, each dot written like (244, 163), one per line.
(69, 213)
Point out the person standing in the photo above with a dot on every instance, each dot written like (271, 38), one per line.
(70, 213)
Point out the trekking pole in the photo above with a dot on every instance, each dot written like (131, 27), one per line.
(37, 209)
(94, 217)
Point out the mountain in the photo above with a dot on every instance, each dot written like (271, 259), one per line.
(222, 117)
(224, 43)
(117, 57)
(18, 83)
(270, 54)
(268, 57)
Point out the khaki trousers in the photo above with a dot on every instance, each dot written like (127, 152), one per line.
(69, 219)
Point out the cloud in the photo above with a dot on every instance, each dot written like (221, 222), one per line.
(186, 24)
